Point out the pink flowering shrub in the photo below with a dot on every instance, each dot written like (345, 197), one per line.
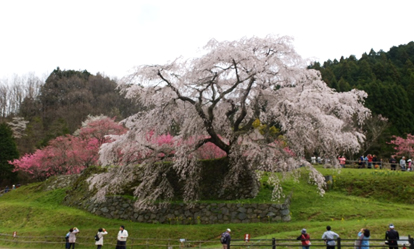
(404, 146)
(70, 154)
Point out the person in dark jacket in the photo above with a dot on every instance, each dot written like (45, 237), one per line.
(67, 240)
(392, 237)
(361, 163)
(375, 161)
(305, 238)
(227, 238)
(393, 163)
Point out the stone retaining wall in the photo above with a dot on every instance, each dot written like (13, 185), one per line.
(61, 181)
(117, 207)
(202, 213)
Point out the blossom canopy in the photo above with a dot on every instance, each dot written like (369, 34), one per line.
(217, 98)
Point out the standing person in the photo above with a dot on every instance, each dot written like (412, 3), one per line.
(375, 161)
(305, 238)
(361, 162)
(122, 237)
(327, 160)
(366, 161)
(67, 240)
(363, 239)
(100, 234)
(329, 238)
(225, 239)
(370, 157)
(392, 236)
(72, 237)
(393, 163)
(342, 161)
(402, 163)
(6, 189)
(409, 165)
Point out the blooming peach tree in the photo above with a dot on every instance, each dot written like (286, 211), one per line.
(70, 154)
(216, 98)
(404, 146)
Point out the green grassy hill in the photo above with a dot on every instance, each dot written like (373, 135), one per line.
(359, 198)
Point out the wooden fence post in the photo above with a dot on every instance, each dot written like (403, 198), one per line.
(339, 243)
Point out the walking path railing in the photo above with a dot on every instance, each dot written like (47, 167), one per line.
(82, 242)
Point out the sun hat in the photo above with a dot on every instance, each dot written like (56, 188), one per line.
(303, 231)
(391, 226)
(228, 230)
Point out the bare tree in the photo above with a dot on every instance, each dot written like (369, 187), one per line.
(14, 91)
(374, 128)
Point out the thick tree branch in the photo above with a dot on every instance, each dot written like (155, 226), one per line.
(243, 106)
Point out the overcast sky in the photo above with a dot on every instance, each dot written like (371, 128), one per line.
(112, 37)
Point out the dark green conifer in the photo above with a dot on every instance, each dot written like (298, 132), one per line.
(8, 152)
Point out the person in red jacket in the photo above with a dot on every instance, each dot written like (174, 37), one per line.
(305, 238)
(370, 157)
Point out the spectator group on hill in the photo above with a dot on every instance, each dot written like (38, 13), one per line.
(7, 189)
(370, 162)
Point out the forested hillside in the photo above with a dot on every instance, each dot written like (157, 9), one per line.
(58, 105)
(387, 77)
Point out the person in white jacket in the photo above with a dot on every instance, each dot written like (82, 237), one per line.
(72, 237)
(122, 237)
(101, 233)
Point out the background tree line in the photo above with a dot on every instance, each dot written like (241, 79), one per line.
(388, 78)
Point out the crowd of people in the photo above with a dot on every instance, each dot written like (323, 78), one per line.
(370, 162)
(120, 244)
(330, 237)
(7, 189)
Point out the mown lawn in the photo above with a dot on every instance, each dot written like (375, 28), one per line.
(359, 198)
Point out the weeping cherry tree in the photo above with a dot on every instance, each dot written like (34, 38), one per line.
(216, 98)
